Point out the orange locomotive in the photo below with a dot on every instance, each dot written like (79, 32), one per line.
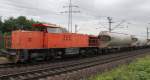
(51, 42)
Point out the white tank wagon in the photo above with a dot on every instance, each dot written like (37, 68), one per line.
(142, 42)
(113, 39)
(148, 42)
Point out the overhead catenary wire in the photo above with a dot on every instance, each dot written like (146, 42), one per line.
(110, 21)
(70, 14)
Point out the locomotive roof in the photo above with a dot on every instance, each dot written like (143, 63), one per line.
(46, 25)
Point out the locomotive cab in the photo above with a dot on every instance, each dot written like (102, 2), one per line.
(51, 28)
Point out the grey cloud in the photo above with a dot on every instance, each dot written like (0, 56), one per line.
(133, 11)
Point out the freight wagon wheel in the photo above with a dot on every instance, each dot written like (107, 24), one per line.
(94, 51)
(100, 52)
(104, 51)
(91, 52)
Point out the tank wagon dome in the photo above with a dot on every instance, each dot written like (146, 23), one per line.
(141, 41)
(148, 41)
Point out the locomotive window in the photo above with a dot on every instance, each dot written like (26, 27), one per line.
(56, 30)
(53, 30)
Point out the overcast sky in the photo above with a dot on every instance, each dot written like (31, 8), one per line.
(135, 13)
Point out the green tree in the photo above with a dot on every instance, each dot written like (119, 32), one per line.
(9, 25)
(20, 22)
(1, 24)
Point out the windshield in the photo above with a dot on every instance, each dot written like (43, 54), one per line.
(56, 30)
(53, 30)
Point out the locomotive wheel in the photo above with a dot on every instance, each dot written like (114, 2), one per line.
(13, 59)
(61, 54)
(82, 53)
(57, 54)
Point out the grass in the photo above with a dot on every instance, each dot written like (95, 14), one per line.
(138, 70)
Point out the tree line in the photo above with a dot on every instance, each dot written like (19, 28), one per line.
(20, 22)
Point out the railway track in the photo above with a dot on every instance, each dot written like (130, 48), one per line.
(19, 65)
(4, 67)
(63, 68)
(14, 69)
